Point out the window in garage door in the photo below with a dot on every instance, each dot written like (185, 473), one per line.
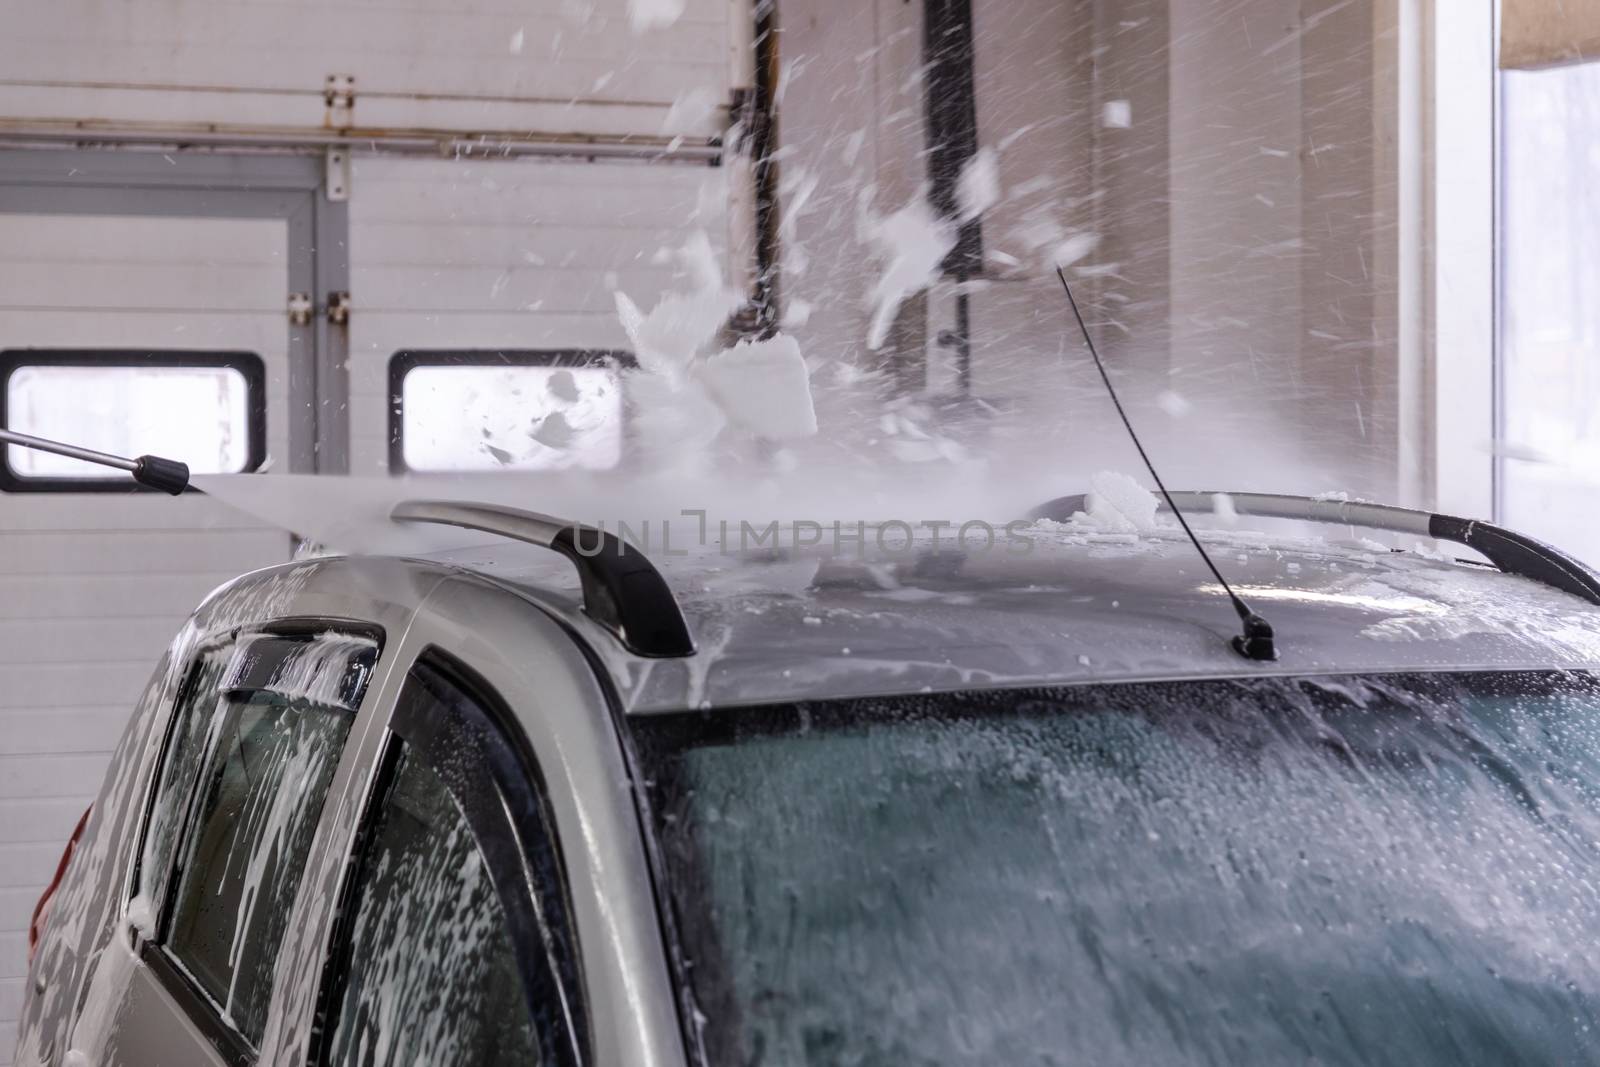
(506, 410)
(209, 408)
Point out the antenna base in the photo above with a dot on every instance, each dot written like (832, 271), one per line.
(1256, 642)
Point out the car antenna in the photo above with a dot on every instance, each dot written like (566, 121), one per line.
(1256, 641)
(167, 475)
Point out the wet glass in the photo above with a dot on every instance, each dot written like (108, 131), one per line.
(263, 792)
(180, 765)
(433, 974)
(256, 737)
(1344, 870)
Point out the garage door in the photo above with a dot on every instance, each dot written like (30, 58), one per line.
(607, 68)
(452, 256)
(94, 584)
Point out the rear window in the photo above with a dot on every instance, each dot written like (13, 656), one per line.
(206, 409)
(1322, 870)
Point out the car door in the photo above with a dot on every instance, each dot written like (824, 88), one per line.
(455, 944)
(246, 763)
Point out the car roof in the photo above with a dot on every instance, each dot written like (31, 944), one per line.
(1079, 605)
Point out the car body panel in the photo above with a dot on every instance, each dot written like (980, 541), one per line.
(88, 957)
(543, 677)
(1079, 605)
(88, 962)
(149, 1026)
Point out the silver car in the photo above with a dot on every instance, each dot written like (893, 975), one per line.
(1012, 803)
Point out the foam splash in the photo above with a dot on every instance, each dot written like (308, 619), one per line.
(1118, 504)
(979, 187)
(912, 242)
(684, 395)
(763, 386)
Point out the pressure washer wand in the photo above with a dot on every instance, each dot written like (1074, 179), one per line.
(167, 475)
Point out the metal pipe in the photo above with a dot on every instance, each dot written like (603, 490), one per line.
(1329, 511)
(964, 338)
(1311, 509)
(653, 149)
(153, 472)
(87, 455)
(764, 154)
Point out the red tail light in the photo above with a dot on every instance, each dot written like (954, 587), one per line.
(41, 910)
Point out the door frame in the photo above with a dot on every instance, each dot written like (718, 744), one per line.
(179, 184)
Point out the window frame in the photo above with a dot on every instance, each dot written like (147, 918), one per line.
(515, 796)
(1444, 254)
(407, 360)
(248, 364)
(151, 946)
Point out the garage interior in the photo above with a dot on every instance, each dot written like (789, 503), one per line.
(1326, 246)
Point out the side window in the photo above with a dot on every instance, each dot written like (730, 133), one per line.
(456, 948)
(429, 943)
(249, 758)
(180, 765)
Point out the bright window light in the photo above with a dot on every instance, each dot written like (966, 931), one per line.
(1550, 438)
(199, 415)
(468, 418)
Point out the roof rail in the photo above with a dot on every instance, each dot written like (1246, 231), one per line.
(622, 590)
(1511, 552)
